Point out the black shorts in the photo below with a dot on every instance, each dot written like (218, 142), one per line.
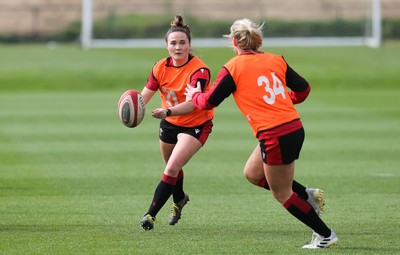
(169, 132)
(282, 149)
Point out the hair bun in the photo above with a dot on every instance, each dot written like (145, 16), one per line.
(178, 21)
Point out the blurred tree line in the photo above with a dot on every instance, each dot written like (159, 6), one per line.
(138, 26)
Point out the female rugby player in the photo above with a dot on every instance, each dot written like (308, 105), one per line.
(258, 80)
(180, 136)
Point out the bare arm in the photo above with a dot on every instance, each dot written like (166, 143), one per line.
(147, 94)
(179, 109)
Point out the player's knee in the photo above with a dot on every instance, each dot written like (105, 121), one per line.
(172, 171)
(250, 176)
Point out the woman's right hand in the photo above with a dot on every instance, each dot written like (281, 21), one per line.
(190, 91)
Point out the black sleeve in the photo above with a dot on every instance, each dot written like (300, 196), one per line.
(294, 81)
(223, 88)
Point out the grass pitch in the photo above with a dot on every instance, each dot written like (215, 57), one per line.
(74, 180)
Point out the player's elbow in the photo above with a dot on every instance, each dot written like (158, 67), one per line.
(191, 107)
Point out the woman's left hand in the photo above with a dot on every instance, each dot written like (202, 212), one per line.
(159, 113)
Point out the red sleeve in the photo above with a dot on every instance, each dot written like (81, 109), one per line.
(203, 76)
(200, 101)
(202, 73)
(299, 96)
(152, 83)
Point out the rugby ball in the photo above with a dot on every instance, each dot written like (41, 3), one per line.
(131, 108)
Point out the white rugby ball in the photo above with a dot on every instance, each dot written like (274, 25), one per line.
(131, 108)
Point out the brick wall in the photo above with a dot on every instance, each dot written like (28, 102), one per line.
(48, 16)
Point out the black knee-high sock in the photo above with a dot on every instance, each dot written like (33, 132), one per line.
(304, 212)
(161, 194)
(296, 187)
(178, 193)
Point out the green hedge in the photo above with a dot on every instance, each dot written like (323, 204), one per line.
(139, 26)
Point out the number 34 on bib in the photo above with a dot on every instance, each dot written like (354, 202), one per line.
(273, 89)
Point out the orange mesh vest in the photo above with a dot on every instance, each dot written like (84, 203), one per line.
(261, 93)
(173, 81)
